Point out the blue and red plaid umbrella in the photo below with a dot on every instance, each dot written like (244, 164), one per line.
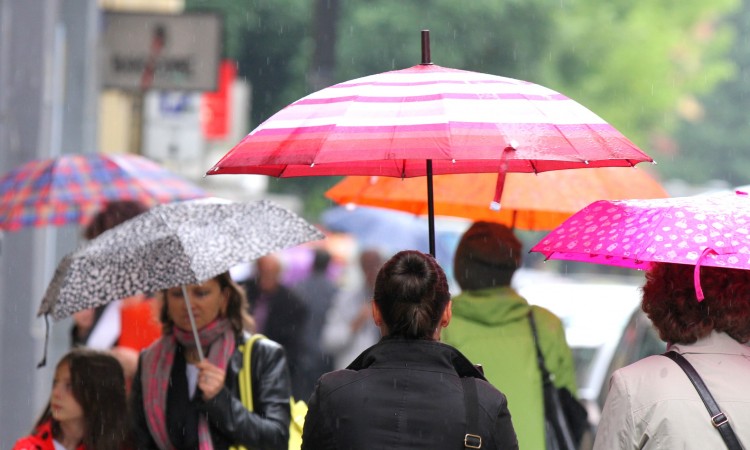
(72, 188)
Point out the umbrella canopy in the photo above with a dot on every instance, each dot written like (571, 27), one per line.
(711, 230)
(428, 120)
(530, 202)
(389, 124)
(171, 245)
(388, 230)
(72, 188)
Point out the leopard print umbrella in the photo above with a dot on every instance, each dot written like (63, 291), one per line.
(171, 245)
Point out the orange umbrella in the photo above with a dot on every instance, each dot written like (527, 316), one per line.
(529, 202)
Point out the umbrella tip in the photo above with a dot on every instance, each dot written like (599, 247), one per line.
(426, 58)
(495, 206)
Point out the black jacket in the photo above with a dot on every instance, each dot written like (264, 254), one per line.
(404, 394)
(230, 423)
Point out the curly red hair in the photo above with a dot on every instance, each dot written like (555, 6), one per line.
(670, 302)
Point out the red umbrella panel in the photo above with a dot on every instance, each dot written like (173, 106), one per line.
(72, 188)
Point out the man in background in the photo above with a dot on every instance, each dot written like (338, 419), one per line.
(279, 315)
(491, 327)
(317, 291)
(349, 328)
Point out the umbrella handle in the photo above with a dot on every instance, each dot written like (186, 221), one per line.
(192, 323)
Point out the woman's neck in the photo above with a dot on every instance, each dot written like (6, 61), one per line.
(71, 433)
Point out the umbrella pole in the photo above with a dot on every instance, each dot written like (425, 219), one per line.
(426, 59)
(192, 323)
(430, 208)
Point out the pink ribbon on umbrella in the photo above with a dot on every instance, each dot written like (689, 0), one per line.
(495, 205)
(697, 272)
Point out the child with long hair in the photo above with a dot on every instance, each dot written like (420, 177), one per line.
(87, 406)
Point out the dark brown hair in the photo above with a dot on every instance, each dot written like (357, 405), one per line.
(98, 385)
(487, 255)
(237, 307)
(670, 302)
(113, 214)
(411, 292)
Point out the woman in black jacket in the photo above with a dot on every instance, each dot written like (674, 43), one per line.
(407, 391)
(181, 402)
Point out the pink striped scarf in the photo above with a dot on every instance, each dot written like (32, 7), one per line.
(157, 365)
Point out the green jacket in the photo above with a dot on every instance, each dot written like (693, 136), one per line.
(491, 328)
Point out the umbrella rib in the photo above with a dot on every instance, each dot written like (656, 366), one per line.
(557, 127)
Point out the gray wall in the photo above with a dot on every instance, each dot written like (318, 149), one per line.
(48, 103)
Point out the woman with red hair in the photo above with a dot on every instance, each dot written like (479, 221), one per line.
(652, 403)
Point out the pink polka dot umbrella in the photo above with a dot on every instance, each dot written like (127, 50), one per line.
(711, 230)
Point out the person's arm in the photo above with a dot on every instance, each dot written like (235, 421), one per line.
(503, 432)
(139, 427)
(616, 427)
(557, 354)
(313, 431)
(268, 426)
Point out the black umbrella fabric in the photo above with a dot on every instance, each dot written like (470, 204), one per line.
(171, 245)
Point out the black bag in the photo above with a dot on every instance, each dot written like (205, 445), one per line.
(565, 418)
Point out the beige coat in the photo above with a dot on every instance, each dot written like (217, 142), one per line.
(652, 404)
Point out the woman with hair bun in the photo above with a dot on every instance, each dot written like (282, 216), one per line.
(652, 403)
(409, 391)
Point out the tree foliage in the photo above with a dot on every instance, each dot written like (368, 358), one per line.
(634, 62)
(714, 130)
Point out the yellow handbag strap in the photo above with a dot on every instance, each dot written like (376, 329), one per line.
(245, 376)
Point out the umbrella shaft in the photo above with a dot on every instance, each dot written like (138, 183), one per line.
(426, 58)
(192, 323)
(430, 208)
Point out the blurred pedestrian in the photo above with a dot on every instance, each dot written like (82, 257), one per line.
(317, 291)
(86, 406)
(652, 403)
(491, 327)
(179, 401)
(125, 326)
(280, 315)
(348, 328)
(409, 391)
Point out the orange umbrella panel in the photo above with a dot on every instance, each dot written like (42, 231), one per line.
(529, 202)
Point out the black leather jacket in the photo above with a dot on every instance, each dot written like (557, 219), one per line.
(229, 421)
(405, 394)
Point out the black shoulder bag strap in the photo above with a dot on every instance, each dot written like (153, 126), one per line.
(549, 391)
(472, 406)
(718, 418)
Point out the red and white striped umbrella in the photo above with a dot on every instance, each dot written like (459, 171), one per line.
(428, 120)
(390, 123)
